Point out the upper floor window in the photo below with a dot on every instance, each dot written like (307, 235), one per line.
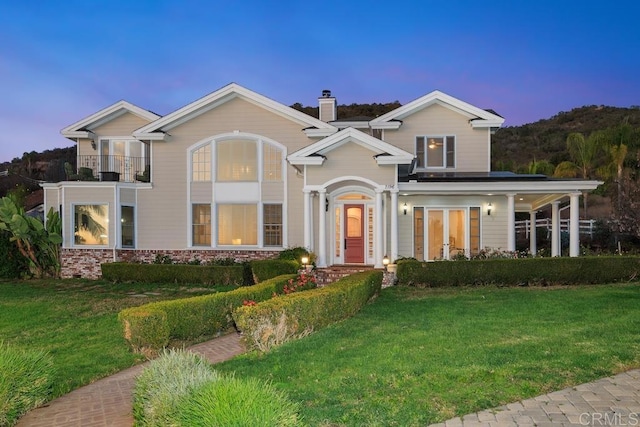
(436, 151)
(201, 163)
(237, 160)
(247, 160)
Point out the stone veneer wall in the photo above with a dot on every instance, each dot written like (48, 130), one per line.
(85, 263)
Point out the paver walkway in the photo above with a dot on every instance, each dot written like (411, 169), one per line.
(612, 401)
(107, 402)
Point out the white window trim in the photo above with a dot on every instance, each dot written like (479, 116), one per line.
(260, 140)
(73, 226)
(444, 151)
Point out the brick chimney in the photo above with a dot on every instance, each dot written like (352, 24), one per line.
(327, 107)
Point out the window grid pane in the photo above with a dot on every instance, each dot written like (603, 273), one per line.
(272, 218)
(272, 163)
(201, 225)
(201, 164)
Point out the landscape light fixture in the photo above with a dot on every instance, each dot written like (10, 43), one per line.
(385, 262)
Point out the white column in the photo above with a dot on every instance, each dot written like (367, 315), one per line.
(574, 224)
(511, 222)
(555, 229)
(533, 248)
(394, 225)
(378, 240)
(321, 259)
(306, 212)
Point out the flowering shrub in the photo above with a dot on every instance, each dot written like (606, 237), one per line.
(302, 282)
(249, 302)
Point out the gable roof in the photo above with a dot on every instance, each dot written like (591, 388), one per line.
(478, 118)
(158, 129)
(385, 153)
(82, 128)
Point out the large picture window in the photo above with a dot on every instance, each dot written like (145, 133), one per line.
(237, 225)
(436, 151)
(201, 224)
(237, 160)
(272, 225)
(91, 225)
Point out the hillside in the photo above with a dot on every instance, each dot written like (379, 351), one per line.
(546, 139)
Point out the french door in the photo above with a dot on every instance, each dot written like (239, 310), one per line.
(122, 156)
(440, 233)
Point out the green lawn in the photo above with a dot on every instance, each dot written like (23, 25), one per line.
(417, 356)
(76, 322)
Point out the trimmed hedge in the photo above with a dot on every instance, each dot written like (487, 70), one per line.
(174, 273)
(521, 272)
(280, 319)
(269, 268)
(190, 318)
(26, 380)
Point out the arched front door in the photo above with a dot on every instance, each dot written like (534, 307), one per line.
(354, 234)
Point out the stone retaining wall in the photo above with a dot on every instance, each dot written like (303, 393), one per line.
(85, 263)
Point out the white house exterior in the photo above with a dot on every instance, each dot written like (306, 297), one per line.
(236, 174)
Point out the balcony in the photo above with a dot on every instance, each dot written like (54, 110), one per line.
(112, 168)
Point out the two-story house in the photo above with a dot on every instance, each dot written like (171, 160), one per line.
(236, 174)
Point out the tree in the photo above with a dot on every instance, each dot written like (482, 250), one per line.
(37, 242)
(584, 153)
(566, 170)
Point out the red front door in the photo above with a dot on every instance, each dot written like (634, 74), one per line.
(354, 234)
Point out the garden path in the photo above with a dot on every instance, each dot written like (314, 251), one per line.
(607, 402)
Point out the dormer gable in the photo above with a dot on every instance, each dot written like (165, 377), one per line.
(384, 153)
(160, 129)
(84, 127)
(478, 118)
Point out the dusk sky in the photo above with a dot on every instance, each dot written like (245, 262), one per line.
(61, 61)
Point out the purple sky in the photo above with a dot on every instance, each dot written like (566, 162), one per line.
(61, 61)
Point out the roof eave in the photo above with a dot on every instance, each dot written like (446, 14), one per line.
(319, 133)
(151, 136)
(478, 124)
(394, 124)
(307, 160)
(393, 160)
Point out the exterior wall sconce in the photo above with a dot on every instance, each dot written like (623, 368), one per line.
(385, 262)
(404, 208)
(93, 144)
(326, 204)
(489, 207)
